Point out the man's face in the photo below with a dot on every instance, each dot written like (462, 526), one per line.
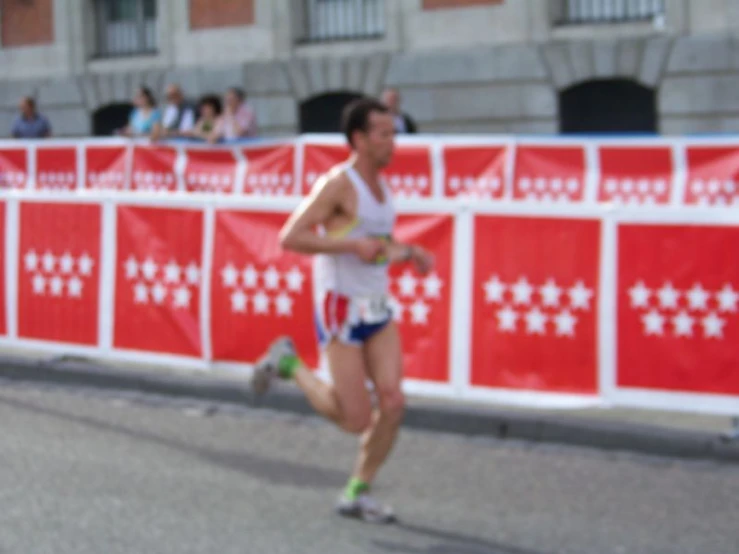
(378, 143)
(231, 100)
(25, 107)
(392, 100)
(174, 95)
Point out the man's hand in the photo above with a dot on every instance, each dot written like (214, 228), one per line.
(422, 260)
(368, 249)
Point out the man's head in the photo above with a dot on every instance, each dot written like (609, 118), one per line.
(368, 127)
(27, 106)
(233, 98)
(391, 98)
(173, 94)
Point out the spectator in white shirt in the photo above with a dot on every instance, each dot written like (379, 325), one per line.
(179, 115)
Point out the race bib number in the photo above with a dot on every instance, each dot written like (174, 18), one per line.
(373, 310)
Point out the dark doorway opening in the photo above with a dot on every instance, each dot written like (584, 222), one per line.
(108, 119)
(322, 114)
(608, 106)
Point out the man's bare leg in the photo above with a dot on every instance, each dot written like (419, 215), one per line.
(385, 367)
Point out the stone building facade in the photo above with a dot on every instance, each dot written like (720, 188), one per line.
(464, 66)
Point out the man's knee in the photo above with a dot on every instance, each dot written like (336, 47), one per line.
(356, 422)
(392, 402)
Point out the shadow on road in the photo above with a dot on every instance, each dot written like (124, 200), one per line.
(451, 543)
(279, 472)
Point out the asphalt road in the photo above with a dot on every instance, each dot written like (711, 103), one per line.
(84, 473)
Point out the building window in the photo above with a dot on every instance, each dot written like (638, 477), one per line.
(325, 20)
(607, 11)
(126, 27)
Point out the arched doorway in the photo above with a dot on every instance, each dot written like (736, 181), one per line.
(322, 114)
(608, 106)
(108, 119)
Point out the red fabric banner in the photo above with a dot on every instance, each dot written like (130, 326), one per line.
(13, 168)
(549, 173)
(713, 175)
(106, 167)
(58, 272)
(678, 302)
(635, 174)
(270, 170)
(56, 168)
(475, 170)
(258, 291)
(158, 280)
(210, 171)
(154, 168)
(535, 304)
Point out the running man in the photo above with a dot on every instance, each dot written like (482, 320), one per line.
(347, 224)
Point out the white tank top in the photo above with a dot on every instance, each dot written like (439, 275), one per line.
(347, 274)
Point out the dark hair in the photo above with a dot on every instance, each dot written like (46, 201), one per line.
(356, 115)
(212, 100)
(146, 91)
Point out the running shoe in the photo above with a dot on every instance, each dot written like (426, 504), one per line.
(365, 508)
(267, 368)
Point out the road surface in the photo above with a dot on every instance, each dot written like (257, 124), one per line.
(88, 473)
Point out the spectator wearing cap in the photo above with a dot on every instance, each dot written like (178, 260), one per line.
(238, 120)
(178, 118)
(30, 124)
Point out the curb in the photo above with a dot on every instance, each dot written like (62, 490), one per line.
(461, 420)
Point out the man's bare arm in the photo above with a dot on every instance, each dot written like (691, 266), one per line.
(298, 233)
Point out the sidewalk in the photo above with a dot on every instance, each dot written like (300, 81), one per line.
(649, 432)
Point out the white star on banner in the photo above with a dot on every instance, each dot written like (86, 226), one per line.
(727, 299)
(158, 293)
(668, 296)
(419, 312)
(683, 324)
(31, 260)
(141, 294)
(565, 323)
(639, 295)
(250, 277)
(397, 309)
(653, 323)
(85, 263)
(132, 268)
(230, 276)
(284, 304)
(550, 293)
(192, 274)
(522, 291)
(149, 269)
(271, 278)
(432, 286)
(294, 279)
(238, 301)
(172, 273)
(56, 285)
(48, 261)
(507, 319)
(407, 284)
(261, 303)
(580, 296)
(494, 290)
(39, 284)
(182, 297)
(74, 285)
(697, 297)
(713, 326)
(66, 263)
(536, 322)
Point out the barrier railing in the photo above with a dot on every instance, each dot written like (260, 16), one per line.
(545, 293)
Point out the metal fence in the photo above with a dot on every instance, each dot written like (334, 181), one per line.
(608, 11)
(327, 20)
(125, 27)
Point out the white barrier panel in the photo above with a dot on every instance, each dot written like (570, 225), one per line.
(545, 293)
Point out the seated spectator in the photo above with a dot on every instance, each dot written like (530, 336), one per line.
(403, 122)
(210, 109)
(30, 124)
(144, 116)
(179, 115)
(238, 119)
